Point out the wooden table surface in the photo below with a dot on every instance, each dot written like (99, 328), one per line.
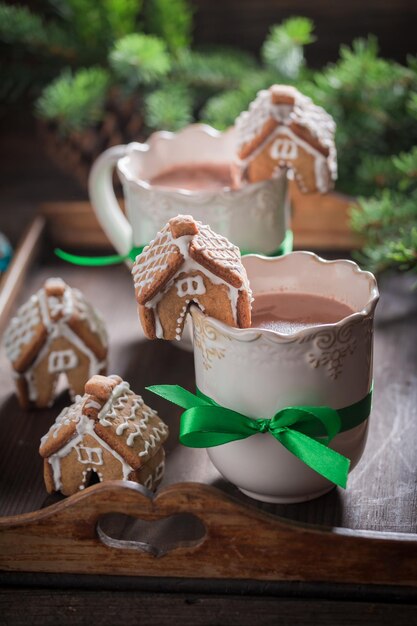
(381, 494)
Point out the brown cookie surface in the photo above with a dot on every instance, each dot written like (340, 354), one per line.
(109, 433)
(55, 332)
(210, 275)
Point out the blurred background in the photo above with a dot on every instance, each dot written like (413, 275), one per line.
(80, 76)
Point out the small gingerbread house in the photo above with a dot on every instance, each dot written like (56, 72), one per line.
(187, 263)
(56, 332)
(284, 129)
(108, 434)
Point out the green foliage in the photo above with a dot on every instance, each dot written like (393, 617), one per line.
(139, 59)
(388, 220)
(95, 26)
(369, 98)
(373, 100)
(222, 109)
(75, 101)
(19, 26)
(214, 69)
(169, 108)
(171, 20)
(283, 49)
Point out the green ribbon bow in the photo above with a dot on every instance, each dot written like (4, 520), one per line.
(306, 431)
(114, 259)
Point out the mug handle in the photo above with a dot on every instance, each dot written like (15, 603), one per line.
(104, 201)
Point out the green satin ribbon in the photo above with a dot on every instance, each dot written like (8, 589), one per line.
(114, 259)
(305, 431)
(98, 261)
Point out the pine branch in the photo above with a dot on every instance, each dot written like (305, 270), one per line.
(283, 49)
(222, 109)
(214, 69)
(19, 26)
(399, 254)
(388, 222)
(75, 101)
(172, 21)
(169, 107)
(138, 59)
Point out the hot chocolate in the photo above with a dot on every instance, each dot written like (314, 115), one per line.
(286, 312)
(194, 177)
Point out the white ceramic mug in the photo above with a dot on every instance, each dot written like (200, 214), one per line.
(255, 217)
(258, 372)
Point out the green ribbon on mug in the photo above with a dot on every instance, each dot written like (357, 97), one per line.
(114, 259)
(305, 431)
(98, 261)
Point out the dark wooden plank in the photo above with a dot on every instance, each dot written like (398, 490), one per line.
(133, 608)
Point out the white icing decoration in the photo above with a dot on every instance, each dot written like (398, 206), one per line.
(180, 320)
(149, 482)
(62, 360)
(21, 329)
(159, 470)
(92, 404)
(91, 316)
(154, 437)
(116, 401)
(190, 286)
(43, 306)
(283, 149)
(89, 455)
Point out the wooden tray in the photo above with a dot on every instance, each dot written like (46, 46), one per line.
(198, 526)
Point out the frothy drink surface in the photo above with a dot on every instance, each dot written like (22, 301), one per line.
(286, 312)
(194, 177)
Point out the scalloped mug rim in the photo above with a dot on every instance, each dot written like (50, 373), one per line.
(165, 135)
(253, 334)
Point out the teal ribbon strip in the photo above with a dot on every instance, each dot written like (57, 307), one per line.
(305, 431)
(114, 259)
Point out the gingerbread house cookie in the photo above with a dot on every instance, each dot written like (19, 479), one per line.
(284, 129)
(108, 434)
(56, 332)
(189, 263)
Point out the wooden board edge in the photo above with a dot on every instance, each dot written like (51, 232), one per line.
(24, 255)
(240, 541)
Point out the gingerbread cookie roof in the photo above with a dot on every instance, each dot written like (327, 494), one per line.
(181, 240)
(283, 105)
(116, 414)
(53, 307)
